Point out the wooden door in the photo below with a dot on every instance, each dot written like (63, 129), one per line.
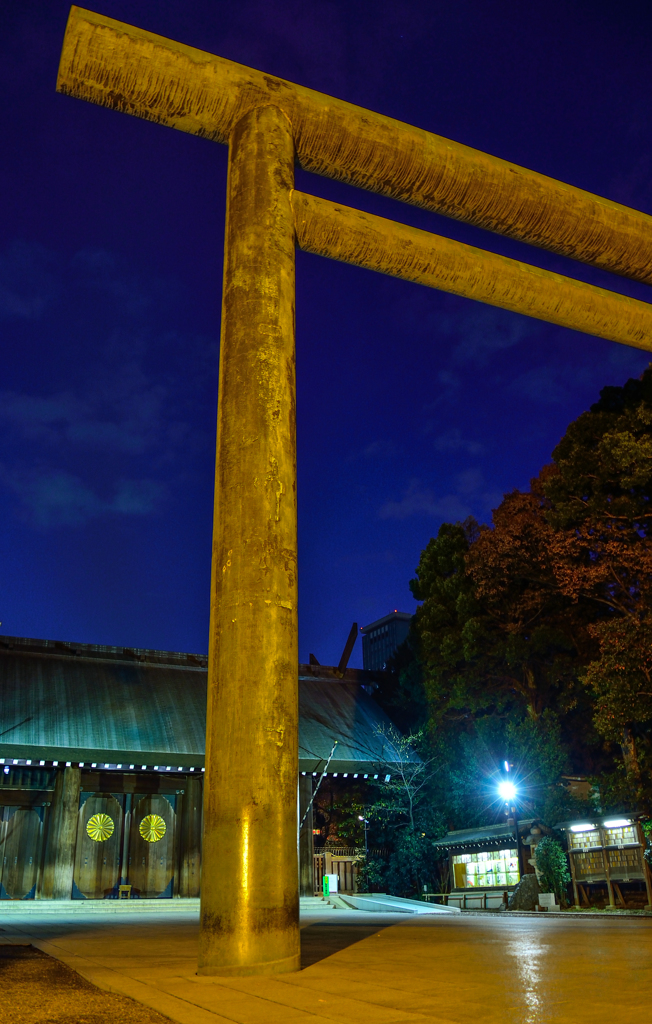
(97, 858)
(319, 871)
(344, 871)
(152, 847)
(21, 855)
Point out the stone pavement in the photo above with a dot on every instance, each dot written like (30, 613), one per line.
(362, 968)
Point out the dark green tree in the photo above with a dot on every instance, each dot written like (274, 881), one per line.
(403, 818)
(601, 512)
(502, 650)
(552, 864)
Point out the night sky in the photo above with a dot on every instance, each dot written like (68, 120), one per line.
(414, 407)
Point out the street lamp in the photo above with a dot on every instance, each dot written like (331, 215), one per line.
(507, 791)
(361, 817)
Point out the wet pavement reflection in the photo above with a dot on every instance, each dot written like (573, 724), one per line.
(363, 968)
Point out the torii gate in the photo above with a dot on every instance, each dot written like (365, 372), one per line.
(249, 892)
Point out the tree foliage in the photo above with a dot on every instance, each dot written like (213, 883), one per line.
(601, 513)
(553, 867)
(403, 817)
(533, 639)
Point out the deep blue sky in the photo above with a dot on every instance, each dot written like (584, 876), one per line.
(413, 407)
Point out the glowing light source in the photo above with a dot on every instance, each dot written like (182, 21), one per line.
(582, 828)
(507, 790)
(617, 823)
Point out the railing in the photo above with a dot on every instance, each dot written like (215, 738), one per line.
(435, 897)
(468, 900)
(351, 851)
(339, 851)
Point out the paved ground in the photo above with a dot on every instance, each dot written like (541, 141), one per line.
(373, 969)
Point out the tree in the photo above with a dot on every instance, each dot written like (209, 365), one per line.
(403, 818)
(500, 644)
(601, 517)
(600, 496)
(621, 678)
(337, 808)
(534, 634)
(553, 867)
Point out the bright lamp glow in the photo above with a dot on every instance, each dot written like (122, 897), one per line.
(582, 828)
(507, 790)
(617, 823)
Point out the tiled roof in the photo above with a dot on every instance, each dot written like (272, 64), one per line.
(90, 703)
(479, 836)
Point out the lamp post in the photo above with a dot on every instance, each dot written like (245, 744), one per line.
(507, 790)
(362, 817)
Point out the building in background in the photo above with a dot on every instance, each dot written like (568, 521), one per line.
(381, 638)
(101, 764)
(607, 861)
(485, 863)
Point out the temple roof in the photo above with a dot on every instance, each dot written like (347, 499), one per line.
(96, 704)
(488, 835)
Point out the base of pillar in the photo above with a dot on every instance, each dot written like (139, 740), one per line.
(284, 966)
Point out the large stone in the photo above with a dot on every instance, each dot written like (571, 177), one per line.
(525, 895)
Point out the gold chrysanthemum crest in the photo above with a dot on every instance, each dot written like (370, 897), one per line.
(100, 827)
(152, 828)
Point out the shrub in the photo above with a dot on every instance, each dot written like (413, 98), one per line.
(553, 866)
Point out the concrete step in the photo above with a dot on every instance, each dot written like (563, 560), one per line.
(310, 903)
(66, 908)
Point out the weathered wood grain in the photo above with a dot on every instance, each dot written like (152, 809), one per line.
(136, 72)
(350, 236)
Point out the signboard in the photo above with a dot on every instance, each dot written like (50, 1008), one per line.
(548, 901)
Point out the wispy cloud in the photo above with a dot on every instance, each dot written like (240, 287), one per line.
(380, 449)
(452, 441)
(421, 501)
(54, 498)
(122, 405)
(480, 331)
(93, 421)
(549, 383)
(469, 496)
(28, 281)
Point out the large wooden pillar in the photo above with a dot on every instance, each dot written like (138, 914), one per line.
(59, 860)
(249, 892)
(190, 839)
(306, 839)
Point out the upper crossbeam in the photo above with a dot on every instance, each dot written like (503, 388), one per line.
(139, 73)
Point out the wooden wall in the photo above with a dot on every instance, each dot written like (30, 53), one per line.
(139, 830)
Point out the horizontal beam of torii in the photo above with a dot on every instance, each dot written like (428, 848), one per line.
(364, 240)
(249, 918)
(139, 73)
